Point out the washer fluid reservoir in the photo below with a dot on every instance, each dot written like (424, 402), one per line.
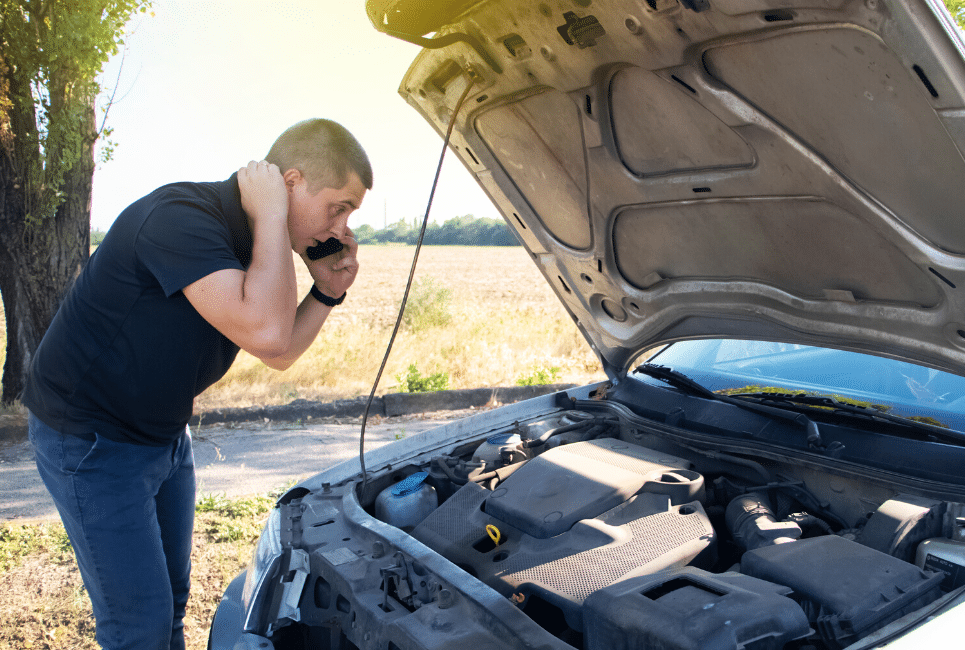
(405, 504)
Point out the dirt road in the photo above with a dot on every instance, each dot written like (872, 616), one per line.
(249, 458)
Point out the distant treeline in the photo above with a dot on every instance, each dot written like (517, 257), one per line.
(466, 230)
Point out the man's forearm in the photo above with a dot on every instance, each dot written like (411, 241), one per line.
(268, 294)
(309, 318)
(269, 285)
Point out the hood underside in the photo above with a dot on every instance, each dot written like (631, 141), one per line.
(786, 170)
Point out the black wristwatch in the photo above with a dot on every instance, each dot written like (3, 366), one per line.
(325, 300)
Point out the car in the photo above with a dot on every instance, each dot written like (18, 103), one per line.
(754, 210)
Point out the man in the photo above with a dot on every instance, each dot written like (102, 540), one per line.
(184, 278)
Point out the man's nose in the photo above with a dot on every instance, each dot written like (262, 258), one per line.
(339, 226)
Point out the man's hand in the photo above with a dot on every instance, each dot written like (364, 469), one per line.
(335, 273)
(263, 191)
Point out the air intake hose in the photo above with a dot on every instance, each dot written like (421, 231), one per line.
(751, 521)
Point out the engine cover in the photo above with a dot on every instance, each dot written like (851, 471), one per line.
(639, 535)
(579, 481)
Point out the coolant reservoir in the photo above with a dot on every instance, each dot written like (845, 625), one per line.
(491, 450)
(405, 504)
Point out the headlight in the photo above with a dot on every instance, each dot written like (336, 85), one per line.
(264, 565)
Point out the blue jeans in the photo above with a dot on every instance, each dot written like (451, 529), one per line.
(129, 512)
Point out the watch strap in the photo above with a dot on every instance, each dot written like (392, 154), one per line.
(325, 300)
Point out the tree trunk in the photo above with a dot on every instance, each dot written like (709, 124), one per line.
(38, 265)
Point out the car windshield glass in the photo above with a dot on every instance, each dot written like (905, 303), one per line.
(904, 389)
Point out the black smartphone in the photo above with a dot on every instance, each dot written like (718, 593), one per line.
(324, 249)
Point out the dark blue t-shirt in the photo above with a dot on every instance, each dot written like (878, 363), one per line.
(127, 353)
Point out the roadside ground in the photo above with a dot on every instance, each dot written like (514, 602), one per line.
(233, 460)
(247, 452)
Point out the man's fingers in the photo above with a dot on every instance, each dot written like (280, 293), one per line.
(255, 166)
(350, 243)
(263, 193)
(345, 264)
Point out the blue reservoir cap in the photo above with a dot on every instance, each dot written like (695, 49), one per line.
(500, 438)
(409, 484)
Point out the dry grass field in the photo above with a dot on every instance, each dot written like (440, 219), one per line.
(505, 323)
(43, 604)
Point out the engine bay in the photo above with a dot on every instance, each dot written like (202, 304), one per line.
(605, 534)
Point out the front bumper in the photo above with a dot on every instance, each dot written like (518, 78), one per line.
(227, 628)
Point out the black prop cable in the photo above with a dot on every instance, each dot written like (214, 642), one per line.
(408, 286)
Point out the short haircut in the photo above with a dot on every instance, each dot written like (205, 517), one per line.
(324, 152)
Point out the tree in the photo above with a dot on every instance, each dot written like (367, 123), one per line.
(957, 9)
(51, 52)
(364, 234)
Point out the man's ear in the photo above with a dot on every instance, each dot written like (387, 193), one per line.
(292, 177)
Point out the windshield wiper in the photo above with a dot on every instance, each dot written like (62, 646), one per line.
(684, 383)
(822, 402)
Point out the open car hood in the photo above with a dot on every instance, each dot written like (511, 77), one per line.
(786, 170)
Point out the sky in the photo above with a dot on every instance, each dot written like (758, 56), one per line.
(204, 86)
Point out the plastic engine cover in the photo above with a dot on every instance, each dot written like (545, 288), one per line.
(690, 609)
(594, 544)
(580, 481)
(848, 590)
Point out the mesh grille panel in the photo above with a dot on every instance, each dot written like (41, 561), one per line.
(580, 574)
(449, 522)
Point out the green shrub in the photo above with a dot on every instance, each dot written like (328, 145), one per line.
(413, 381)
(232, 520)
(428, 305)
(539, 376)
(17, 541)
(244, 507)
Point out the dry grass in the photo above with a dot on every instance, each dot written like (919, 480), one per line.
(505, 322)
(43, 604)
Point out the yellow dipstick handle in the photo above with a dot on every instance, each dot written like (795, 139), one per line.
(494, 534)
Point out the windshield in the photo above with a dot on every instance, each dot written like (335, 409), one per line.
(899, 388)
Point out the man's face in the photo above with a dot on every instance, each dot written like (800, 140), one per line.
(315, 218)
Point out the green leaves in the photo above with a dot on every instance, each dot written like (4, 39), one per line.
(53, 51)
(17, 541)
(413, 381)
(539, 376)
(232, 520)
(957, 9)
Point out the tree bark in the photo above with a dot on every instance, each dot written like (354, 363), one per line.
(38, 265)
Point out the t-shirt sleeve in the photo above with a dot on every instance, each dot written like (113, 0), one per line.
(181, 243)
